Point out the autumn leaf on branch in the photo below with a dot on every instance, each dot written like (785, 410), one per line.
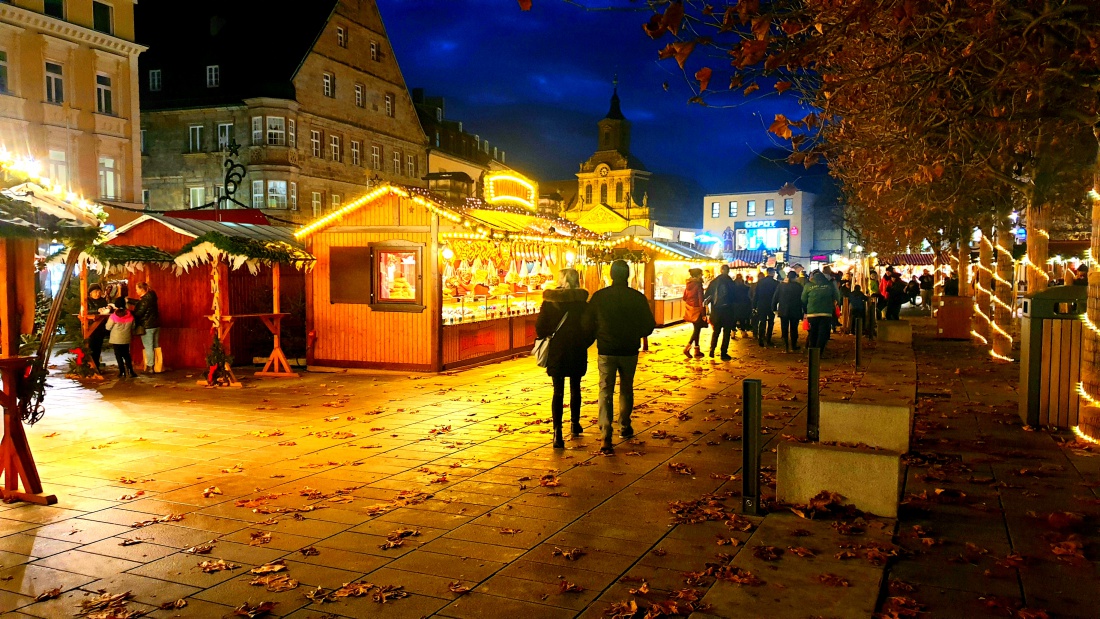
(781, 127)
(524, 5)
(679, 50)
(703, 76)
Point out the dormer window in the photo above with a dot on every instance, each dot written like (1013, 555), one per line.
(213, 76)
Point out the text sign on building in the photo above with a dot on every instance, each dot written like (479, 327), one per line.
(770, 235)
(762, 224)
(511, 188)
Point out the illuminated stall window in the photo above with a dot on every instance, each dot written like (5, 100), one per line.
(396, 276)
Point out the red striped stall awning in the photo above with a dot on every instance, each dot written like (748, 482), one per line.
(911, 260)
(746, 258)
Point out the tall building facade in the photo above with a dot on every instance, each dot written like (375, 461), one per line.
(319, 106)
(69, 97)
(780, 221)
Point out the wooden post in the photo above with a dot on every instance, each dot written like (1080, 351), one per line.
(1003, 297)
(275, 280)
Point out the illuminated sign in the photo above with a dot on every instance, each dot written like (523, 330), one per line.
(762, 224)
(511, 188)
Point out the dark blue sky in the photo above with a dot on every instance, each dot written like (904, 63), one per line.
(535, 83)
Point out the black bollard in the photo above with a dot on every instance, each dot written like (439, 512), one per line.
(750, 443)
(813, 395)
(859, 343)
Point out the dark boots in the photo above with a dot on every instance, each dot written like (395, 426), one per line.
(559, 440)
(577, 429)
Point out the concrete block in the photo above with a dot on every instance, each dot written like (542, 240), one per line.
(876, 425)
(868, 479)
(899, 331)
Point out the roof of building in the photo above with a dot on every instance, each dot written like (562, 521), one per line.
(616, 112)
(195, 228)
(182, 43)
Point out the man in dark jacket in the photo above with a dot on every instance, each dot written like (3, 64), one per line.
(788, 298)
(764, 303)
(895, 296)
(147, 316)
(719, 296)
(742, 305)
(927, 284)
(620, 317)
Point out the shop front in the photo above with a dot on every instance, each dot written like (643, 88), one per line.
(406, 280)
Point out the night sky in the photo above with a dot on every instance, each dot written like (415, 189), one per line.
(535, 84)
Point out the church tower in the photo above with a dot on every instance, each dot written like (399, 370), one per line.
(612, 183)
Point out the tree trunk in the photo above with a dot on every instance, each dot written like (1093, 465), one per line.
(1089, 422)
(1038, 246)
(982, 299)
(1003, 297)
(964, 264)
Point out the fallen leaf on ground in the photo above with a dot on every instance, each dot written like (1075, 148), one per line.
(201, 549)
(311, 551)
(252, 612)
(259, 537)
(48, 595)
(180, 603)
(385, 593)
(564, 586)
(156, 520)
(212, 490)
(458, 587)
(569, 555)
(832, 580)
(275, 582)
(220, 565)
(277, 565)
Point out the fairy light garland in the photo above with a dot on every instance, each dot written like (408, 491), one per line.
(31, 170)
(979, 337)
(1084, 437)
(1000, 357)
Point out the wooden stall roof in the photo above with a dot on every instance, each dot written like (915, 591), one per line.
(685, 252)
(502, 223)
(30, 210)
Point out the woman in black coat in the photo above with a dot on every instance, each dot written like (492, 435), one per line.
(742, 305)
(567, 354)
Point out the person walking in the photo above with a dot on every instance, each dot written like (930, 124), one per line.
(695, 311)
(719, 296)
(895, 297)
(764, 304)
(927, 284)
(97, 304)
(820, 298)
(788, 298)
(912, 290)
(147, 317)
(857, 309)
(619, 317)
(121, 324)
(742, 306)
(562, 319)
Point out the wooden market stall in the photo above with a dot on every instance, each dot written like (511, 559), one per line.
(191, 300)
(31, 213)
(406, 280)
(658, 269)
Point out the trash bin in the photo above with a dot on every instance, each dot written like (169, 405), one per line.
(1051, 335)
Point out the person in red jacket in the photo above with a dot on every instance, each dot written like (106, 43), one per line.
(695, 313)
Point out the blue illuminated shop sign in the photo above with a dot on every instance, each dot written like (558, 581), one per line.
(762, 223)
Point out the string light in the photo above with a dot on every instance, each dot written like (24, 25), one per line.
(1084, 437)
(980, 337)
(1000, 357)
(494, 195)
(31, 170)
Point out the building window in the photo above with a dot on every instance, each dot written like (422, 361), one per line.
(292, 196)
(358, 95)
(335, 201)
(4, 72)
(618, 193)
(213, 76)
(103, 98)
(410, 166)
(374, 51)
(145, 197)
(733, 208)
(341, 36)
(194, 139)
(389, 106)
(437, 139)
(102, 18)
(315, 142)
(198, 196)
(376, 157)
(225, 135)
(257, 130)
(291, 133)
(769, 207)
(396, 279)
(143, 151)
(154, 80)
(396, 162)
(788, 206)
(334, 147)
(438, 114)
(315, 202)
(588, 194)
(329, 84)
(55, 83)
(276, 194)
(109, 181)
(55, 8)
(715, 209)
(355, 152)
(59, 168)
(257, 194)
(276, 131)
(750, 208)
(603, 193)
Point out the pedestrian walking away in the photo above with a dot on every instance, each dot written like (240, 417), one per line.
(147, 317)
(788, 300)
(895, 297)
(619, 317)
(97, 304)
(820, 298)
(742, 305)
(121, 325)
(695, 311)
(857, 309)
(719, 296)
(567, 354)
(763, 303)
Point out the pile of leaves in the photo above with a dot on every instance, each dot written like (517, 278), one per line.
(108, 606)
(709, 507)
(679, 604)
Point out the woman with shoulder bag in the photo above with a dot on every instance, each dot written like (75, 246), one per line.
(567, 354)
(695, 311)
